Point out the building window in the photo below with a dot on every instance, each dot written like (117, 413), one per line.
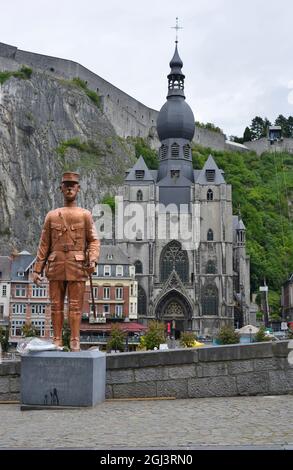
(211, 267)
(39, 291)
(163, 151)
(174, 150)
(107, 270)
(210, 195)
(20, 274)
(16, 327)
(19, 309)
(139, 235)
(20, 290)
(210, 235)
(132, 271)
(131, 290)
(139, 195)
(210, 300)
(106, 294)
(39, 327)
(138, 267)
(109, 256)
(4, 290)
(119, 293)
(118, 311)
(106, 309)
(95, 291)
(186, 151)
(119, 270)
(141, 301)
(210, 175)
(38, 309)
(1, 312)
(175, 173)
(174, 258)
(139, 174)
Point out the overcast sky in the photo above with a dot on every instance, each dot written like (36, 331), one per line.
(237, 55)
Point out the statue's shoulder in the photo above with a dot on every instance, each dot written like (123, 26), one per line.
(86, 213)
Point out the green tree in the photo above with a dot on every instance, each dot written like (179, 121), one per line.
(227, 335)
(259, 127)
(28, 330)
(155, 335)
(4, 339)
(117, 338)
(261, 335)
(290, 126)
(283, 122)
(187, 339)
(247, 137)
(66, 336)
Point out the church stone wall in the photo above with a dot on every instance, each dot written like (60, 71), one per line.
(263, 145)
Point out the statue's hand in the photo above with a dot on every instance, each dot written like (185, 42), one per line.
(37, 278)
(91, 268)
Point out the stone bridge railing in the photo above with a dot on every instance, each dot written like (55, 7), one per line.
(252, 369)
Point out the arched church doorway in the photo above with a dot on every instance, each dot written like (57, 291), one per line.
(175, 311)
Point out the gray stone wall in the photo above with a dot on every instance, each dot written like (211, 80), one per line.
(263, 145)
(128, 116)
(255, 369)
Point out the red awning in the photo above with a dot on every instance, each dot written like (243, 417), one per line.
(129, 327)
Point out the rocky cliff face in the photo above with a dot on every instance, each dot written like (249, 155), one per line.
(48, 125)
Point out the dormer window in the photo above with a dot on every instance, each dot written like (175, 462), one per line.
(109, 256)
(175, 150)
(210, 195)
(175, 173)
(139, 174)
(20, 273)
(210, 175)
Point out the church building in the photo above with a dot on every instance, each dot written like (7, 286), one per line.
(188, 248)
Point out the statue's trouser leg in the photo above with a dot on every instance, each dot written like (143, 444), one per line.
(57, 293)
(75, 295)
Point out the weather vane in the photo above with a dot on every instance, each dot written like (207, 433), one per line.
(177, 27)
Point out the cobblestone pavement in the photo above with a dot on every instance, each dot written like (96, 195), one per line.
(165, 424)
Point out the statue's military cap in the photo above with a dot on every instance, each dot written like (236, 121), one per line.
(70, 176)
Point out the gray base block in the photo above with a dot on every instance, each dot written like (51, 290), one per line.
(63, 379)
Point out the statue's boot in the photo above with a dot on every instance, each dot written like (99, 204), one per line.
(57, 322)
(74, 319)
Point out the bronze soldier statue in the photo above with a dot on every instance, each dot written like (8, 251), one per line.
(68, 250)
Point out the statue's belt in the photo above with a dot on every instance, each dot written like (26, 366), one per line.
(65, 247)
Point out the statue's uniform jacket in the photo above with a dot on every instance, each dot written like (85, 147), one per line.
(68, 237)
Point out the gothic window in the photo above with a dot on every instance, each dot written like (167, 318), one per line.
(175, 150)
(186, 151)
(210, 195)
(211, 267)
(139, 195)
(173, 257)
(138, 267)
(210, 300)
(141, 301)
(210, 235)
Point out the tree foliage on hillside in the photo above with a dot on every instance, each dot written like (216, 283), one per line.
(262, 187)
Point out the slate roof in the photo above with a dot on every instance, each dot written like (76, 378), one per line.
(117, 256)
(21, 263)
(210, 164)
(139, 165)
(5, 268)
